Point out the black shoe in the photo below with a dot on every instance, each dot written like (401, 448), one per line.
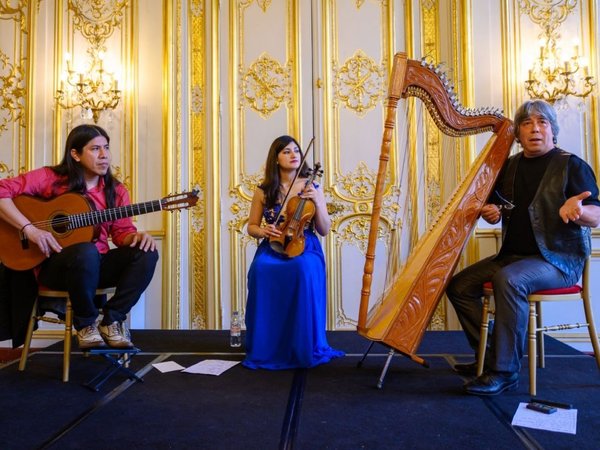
(467, 369)
(492, 383)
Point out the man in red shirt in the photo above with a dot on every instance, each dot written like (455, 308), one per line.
(82, 268)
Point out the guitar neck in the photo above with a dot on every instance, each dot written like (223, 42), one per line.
(106, 215)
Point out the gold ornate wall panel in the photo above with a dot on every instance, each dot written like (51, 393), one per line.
(573, 28)
(265, 85)
(592, 14)
(433, 137)
(198, 57)
(207, 87)
(35, 38)
(15, 46)
(91, 32)
(356, 57)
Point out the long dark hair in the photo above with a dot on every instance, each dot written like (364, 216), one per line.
(271, 183)
(74, 172)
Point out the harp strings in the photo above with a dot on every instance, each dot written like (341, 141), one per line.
(420, 199)
(410, 116)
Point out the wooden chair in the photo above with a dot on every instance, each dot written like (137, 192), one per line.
(36, 315)
(536, 327)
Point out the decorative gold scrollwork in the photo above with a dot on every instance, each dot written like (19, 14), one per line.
(359, 83)
(353, 194)
(97, 19)
(266, 85)
(4, 169)
(119, 174)
(242, 195)
(197, 99)
(264, 4)
(549, 14)
(12, 92)
(198, 212)
(17, 13)
(356, 232)
(359, 184)
(197, 8)
(335, 208)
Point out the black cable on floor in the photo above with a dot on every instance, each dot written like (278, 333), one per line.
(100, 403)
(292, 413)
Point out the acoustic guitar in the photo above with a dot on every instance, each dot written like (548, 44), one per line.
(71, 218)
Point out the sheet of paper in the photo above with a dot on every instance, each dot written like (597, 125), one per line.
(563, 420)
(211, 367)
(167, 366)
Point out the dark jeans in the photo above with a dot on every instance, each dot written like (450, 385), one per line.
(514, 277)
(80, 269)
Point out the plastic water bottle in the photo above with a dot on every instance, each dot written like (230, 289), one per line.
(235, 332)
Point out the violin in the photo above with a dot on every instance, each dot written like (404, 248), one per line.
(298, 212)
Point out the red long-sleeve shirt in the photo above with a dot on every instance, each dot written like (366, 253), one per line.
(46, 184)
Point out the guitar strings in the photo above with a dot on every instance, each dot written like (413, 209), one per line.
(90, 218)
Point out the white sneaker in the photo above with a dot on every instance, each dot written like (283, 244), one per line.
(116, 335)
(89, 337)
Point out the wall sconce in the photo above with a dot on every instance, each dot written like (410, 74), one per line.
(553, 79)
(94, 90)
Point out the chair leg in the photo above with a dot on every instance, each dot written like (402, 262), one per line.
(532, 348)
(483, 335)
(67, 343)
(589, 317)
(540, 336)
(28, 337)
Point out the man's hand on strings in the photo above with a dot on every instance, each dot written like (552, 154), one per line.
(491, 213)
(45, 240)
(144, 240)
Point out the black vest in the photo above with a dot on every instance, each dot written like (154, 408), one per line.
(564, 245)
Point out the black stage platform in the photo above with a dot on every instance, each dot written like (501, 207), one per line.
(335, 406)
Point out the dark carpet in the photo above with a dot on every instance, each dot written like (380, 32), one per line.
(334, 406)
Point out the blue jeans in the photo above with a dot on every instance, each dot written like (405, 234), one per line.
(514, 277)
(80, 269)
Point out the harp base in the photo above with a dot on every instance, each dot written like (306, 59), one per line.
(388, 361)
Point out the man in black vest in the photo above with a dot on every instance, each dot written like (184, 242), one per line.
(547, 199)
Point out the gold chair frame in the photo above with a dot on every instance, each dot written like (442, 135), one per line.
(536, 329)
(67, 322)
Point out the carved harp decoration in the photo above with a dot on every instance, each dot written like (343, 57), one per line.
(401, 316)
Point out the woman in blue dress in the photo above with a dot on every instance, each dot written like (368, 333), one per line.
(286, 307)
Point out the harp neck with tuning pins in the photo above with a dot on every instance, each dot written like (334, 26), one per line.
(400, 317)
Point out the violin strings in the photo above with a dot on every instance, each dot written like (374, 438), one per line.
(302, 161)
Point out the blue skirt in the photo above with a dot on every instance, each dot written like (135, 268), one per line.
(286, 309)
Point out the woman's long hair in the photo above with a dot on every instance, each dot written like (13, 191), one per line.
(74, 172)
(271, 183)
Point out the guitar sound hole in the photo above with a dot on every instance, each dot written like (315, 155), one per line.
(60, 224)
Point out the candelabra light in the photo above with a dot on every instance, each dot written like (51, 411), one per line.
(553, 79)
(94, 90)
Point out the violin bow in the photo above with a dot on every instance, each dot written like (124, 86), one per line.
(302, 161)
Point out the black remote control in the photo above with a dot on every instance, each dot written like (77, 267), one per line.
(552, 403)
(546, 409)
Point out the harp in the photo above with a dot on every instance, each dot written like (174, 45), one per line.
(400, 317)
